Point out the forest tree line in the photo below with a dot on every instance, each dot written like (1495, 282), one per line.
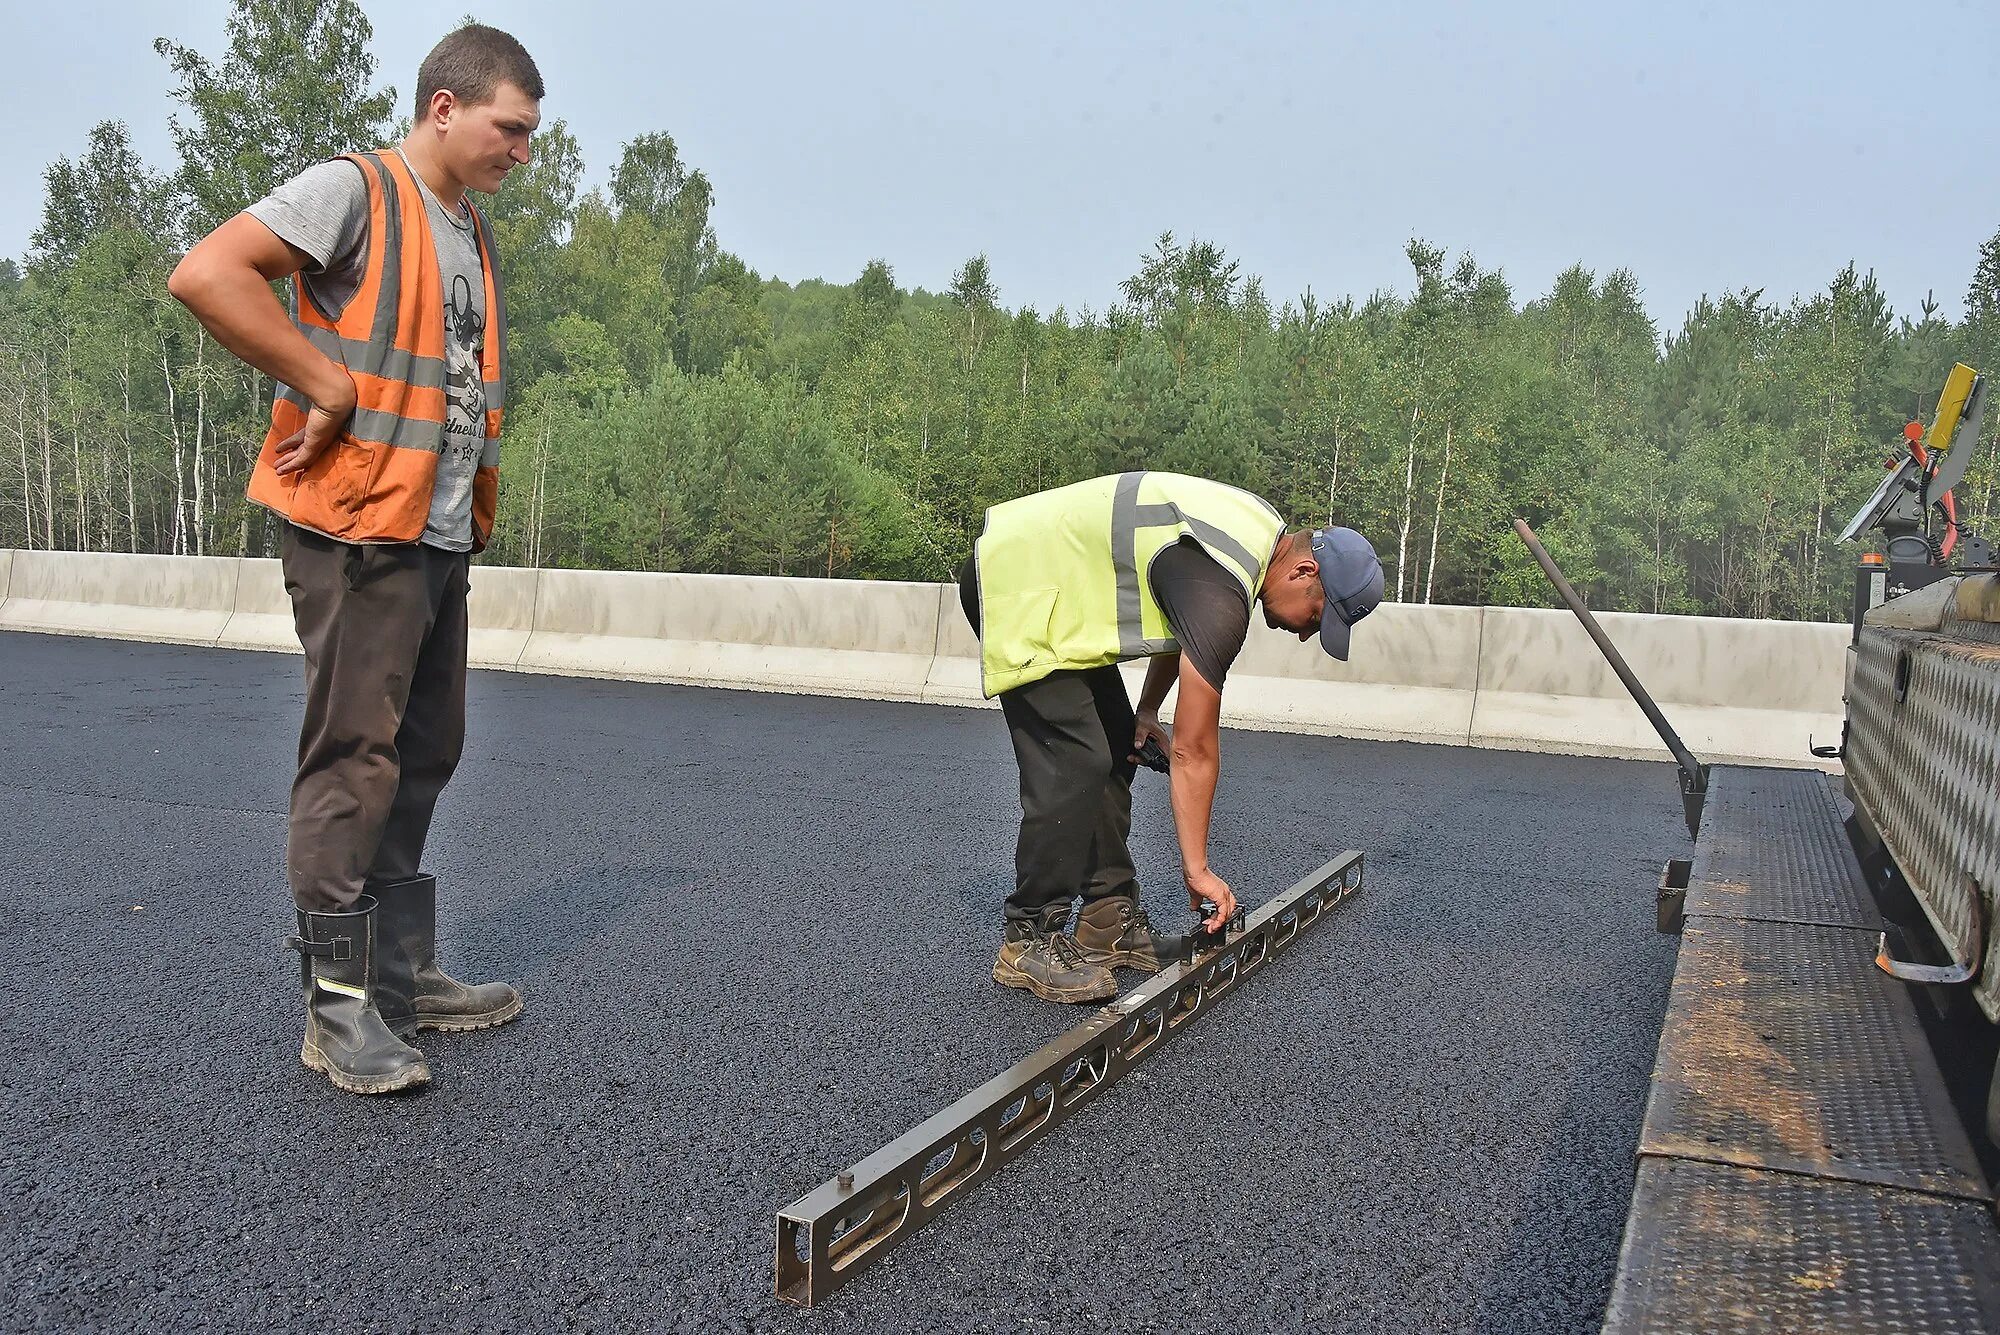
(670, 409)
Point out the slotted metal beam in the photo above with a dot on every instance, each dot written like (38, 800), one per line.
(841, 1227)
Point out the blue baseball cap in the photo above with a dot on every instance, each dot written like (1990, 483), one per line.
(1351, 574)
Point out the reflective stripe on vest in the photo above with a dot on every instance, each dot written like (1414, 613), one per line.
(1063, 573)
(1128, 516)
(393, 364)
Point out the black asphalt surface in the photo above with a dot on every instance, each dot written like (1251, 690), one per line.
(754, 934)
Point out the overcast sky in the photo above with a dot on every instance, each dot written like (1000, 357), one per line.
(1704, 146)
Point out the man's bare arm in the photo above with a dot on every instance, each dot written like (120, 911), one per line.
(1197, 760)
(225, 280)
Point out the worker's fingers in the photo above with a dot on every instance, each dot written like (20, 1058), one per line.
(288, 460)
(1207, 889)
(1219, 894)
(309, 442)
(322, 428)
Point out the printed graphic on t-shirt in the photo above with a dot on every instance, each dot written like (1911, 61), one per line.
(465, 387)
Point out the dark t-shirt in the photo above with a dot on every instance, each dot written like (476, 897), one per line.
(1204, 606)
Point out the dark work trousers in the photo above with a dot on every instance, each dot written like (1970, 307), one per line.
(1072, 733)
(384, 630)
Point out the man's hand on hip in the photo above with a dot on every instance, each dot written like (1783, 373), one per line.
(324, 423)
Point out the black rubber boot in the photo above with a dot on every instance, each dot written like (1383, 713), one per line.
(411, 990)
(1116, 933)
(346, 1039)
(1044, 959)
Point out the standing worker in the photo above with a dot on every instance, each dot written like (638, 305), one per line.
(383, 456)
(1064, 585)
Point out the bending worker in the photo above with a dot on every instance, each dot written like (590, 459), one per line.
(1065, 584)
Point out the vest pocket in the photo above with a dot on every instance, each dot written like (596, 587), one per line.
(339, 478)
(1018, 625)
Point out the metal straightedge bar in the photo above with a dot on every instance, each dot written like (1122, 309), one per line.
(841, 1227)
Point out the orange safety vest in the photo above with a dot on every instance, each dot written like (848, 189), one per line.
(374, 484)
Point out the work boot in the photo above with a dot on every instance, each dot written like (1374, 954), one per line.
(346, 1039)
(1045, 960)
(411, 990)
(1116, 933)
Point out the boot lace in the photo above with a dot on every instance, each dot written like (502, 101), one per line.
(1063, 946)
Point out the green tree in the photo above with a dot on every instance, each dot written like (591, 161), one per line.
(533, 217)
(108, 188)
(295, 87)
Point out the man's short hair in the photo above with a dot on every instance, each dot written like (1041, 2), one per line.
(473, 62)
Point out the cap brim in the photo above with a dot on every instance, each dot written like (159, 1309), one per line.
(1334, 634)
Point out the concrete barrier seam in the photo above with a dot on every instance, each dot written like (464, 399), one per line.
(1478, 656)
(937, 631)
(534, 618)
(534, 614)
(235, 596)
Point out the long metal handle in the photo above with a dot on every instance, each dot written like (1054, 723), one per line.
(1694, 774)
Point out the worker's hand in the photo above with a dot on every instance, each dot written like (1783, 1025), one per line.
(324, 423)
(1148, 725)
(1207, 886)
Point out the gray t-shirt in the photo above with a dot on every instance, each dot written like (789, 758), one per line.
(324, 212)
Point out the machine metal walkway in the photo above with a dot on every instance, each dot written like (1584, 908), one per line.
(1801, 1166)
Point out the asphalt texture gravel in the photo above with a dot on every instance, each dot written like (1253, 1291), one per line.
(754, 933)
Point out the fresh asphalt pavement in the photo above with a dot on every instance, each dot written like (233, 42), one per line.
(754, 933)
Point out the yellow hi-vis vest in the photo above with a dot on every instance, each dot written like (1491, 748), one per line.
(1064, 575)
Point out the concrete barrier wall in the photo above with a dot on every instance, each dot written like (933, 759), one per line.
(262, 616)
(1504, 677)
(502, 603)
(501, 606)
(820, 636)
(1412, 676)
(178, 599)
(1735, 690)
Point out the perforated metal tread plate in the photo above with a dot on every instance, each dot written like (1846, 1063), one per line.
(1772, 848)
(1785, 1047)
(1713, 1249)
